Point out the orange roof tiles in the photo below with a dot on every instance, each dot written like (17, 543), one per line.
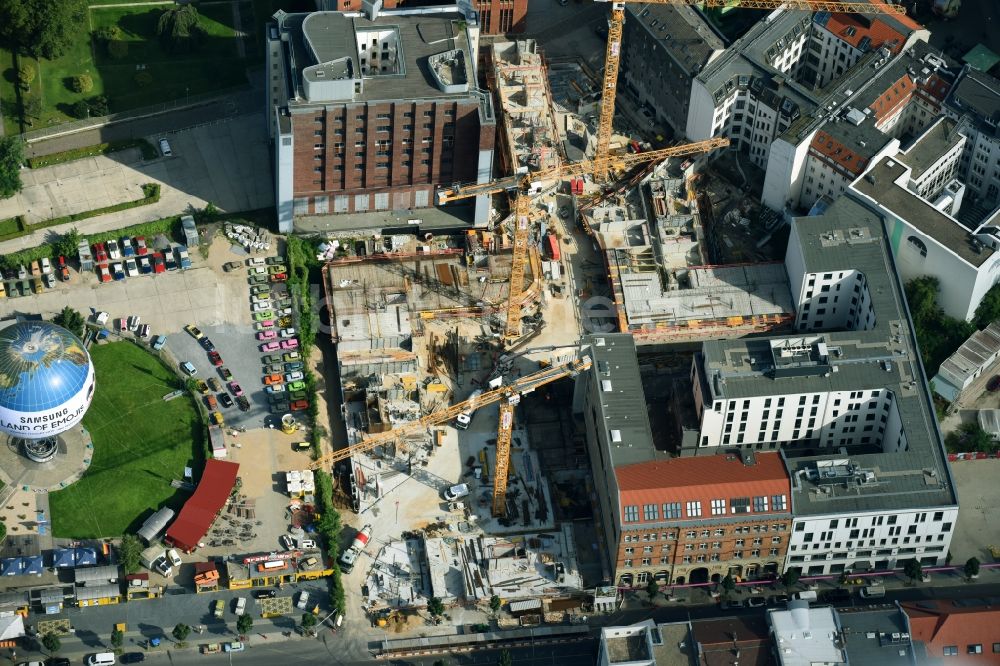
(948, 625)
(898, 93)
(702, 478)
(852, 29)
(831, 148)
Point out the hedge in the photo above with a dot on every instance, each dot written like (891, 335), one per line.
(148, 152)
(328, 526)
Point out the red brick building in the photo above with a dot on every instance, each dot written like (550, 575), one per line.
(967, 634)
(373, 114)
(496, 17)
(690, 520)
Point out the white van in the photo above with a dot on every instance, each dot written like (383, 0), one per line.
(101, 659)
(873, 592)
(456, 492)
(808, 595)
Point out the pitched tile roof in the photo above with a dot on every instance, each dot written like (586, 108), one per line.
(853, 28)
(703, 478)
(831, 148)
(940, 623)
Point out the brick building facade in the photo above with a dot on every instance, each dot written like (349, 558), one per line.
(691, 520)
(374, 113)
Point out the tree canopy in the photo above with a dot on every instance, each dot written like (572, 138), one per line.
(71, 320)
(178, 28)
(938, 334)
(43, 28)
(11, 159)
(130, 553)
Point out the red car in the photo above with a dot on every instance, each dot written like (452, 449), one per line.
(63, 268)
(158, 265)
(100, 256)
(215, 358)
(140, 246)
(279, 277)
(299, 405)
(103, 274)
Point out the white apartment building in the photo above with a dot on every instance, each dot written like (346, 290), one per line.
(844, 400)
(975, 103)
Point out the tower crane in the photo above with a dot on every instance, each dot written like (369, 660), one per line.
(522, 184)
(613, 52)
(508, 396)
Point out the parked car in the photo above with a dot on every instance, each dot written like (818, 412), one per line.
(194, 331)
(286, 542)
(294, 376)
(114, 252)
(272, 261)
(216, 418)
(226, 401)
(234, 646)
(142, 331)
(103, 274)
(257, 271)
(218, 608)
(140, 246)
(271, 358)
(189, 368)
(270, 346)
(279, 277)
(303, 599)
(264, 325)
(277, 268)
(292, 356)
(48, 280)
(183, 258)
(456, 492)
(46, 265)
(127, 249)
(272, 379)
(131, 268)
(63, 268)
(299, 405)
(264, 594)
(175, 559)
(202, 387)
(262, 306)
(145, 266)
(257, 279)
(211, 402)
(117, 271)
(263, 316)
(133, 322)
(307, 543)
(275, 388)
(165, 148)
(272, 368)
(243, 403)
(231, 266)
(732, 604)
(235, 389)
(260, 289)
(267, 335)
(756, 602)
(214, 385)
(100, 254)
(288, 332)
(290, 344)
(255, 261)
(132, 658)
(296, 386)
(225, 374)
(169, 260)
(158, 265)
(215, 358)
(159, 341)
(206, 344)
(162, 566)
(293, 366)
(279, 407)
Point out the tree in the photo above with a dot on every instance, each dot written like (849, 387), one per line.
(182, 631)
(98, 106)
(971, 568)
(117, 638)
(11, 159)
(435, 607)
(80, 109)
(244, 623)
(71, 320)
(913, 570)
(505, 658)
(989, 308)
(130, 553)
(652, 589)
(67, 244)
(26, 73)
(969, 437)
(308, 621)
(51, 642)
(790, 577)
(728, 584)
(495, 604)
(108, 33)
(41, 27)
(31, 106)
(178, 28)
(81, 83)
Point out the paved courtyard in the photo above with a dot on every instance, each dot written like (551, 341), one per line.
(978, 496)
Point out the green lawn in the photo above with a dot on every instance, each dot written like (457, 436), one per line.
(141, 443)
(8, 96)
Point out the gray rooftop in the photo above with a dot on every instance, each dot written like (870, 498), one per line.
(885, 185)
(681, 30)
(848, 236)
(930, 146)
(978, 94)
(876, 636)
(324, 45)
(624, 407)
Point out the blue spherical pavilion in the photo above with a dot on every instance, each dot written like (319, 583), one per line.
(46, 380)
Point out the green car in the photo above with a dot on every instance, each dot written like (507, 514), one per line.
(260, 289)
(292, 356)
(263, 316)
(279, 407)
(271, 261)
(297, 395)
(257, 279)
(297, 386)
(272, 358)
(274, 270)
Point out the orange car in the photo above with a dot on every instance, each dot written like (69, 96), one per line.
(211, 402)
(272, 379)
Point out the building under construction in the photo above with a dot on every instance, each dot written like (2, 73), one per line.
(528, 137)
(653, 244)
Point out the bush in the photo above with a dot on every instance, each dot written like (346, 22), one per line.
(81, 83)
(108, 33)
(244, 623)
(308, 620)
(71, 320)
(80, 109)
(148, 151)
(143, 78)
(51, 642)
(181, 631)
(26, 73)
(117, 49)
(11, 159)
(99, 107)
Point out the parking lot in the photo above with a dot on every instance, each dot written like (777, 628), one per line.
(978, 494)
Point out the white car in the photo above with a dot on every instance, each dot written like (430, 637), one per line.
(255, 261)
(131, 268)
(174, 558)
(262, 306)
(259, 270)
(46, 265)
(307, 543)
(293, 376)
(303, 599)
(102, 318)
(241, 605)
(132, 323)
(257, 298)
(165, 148)
(288, 332)
(163, 567)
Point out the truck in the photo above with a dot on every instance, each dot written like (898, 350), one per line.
(463, 420)
(350, 555)
(552, 246)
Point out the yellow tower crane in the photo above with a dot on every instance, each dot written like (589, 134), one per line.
(508, 396)
(522, 185)
(613, 52)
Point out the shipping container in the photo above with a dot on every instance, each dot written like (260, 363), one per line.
(552, 245)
